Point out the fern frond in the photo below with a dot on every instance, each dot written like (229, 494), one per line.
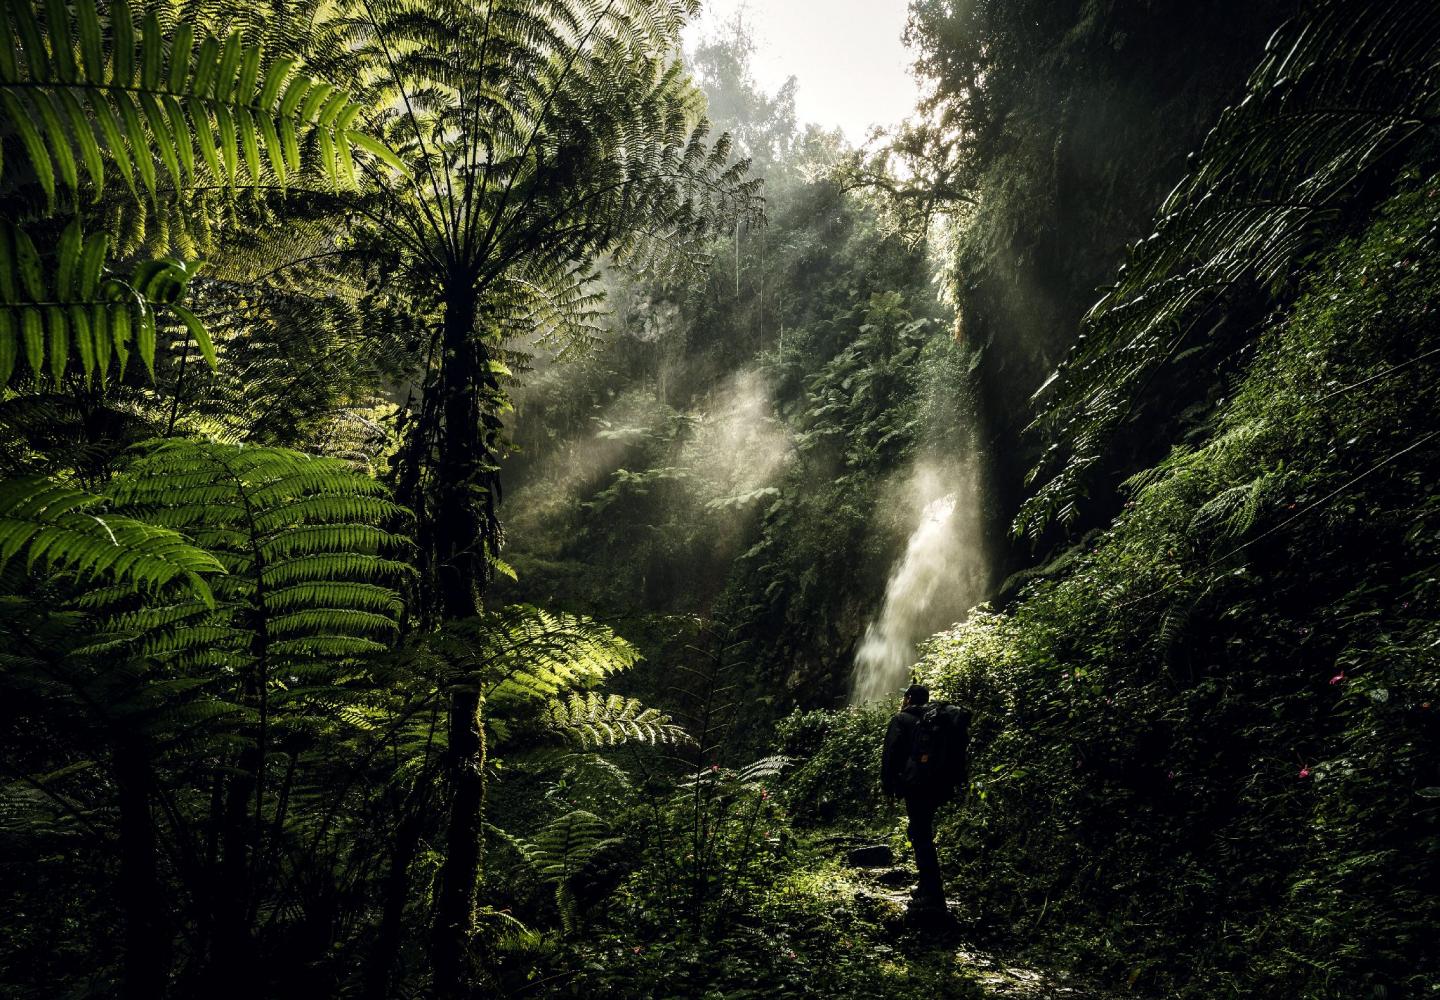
(309, 594)
(165, 106)
(560, 851)
(57, 528)
(592, 720)
(53, 316)
(525, 655)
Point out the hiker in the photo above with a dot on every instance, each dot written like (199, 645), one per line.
(924, 760)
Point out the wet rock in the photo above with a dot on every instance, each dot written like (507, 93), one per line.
(895, 878)
(873, 856)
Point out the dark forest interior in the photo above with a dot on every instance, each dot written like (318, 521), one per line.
(476, 477)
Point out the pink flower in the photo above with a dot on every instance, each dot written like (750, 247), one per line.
(1170, 775)
(714, 768)
(638, 949)
(764, 795)
(1304, 772)
(1338, 678)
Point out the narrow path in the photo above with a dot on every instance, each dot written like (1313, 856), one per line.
(885, 891)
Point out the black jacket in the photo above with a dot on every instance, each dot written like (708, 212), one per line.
(899, 738)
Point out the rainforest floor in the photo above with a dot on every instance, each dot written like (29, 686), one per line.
(831, 922)
(952, 957)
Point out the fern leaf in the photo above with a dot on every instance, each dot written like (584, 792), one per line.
(592, 720)
(61, 529)
(162, 102)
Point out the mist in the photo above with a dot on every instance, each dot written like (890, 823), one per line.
(941, 574)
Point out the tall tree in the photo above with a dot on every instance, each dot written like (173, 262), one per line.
(536, 136)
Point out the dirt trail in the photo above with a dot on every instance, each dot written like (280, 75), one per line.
(888, 889)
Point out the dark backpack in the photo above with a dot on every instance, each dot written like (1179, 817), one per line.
(939, 762)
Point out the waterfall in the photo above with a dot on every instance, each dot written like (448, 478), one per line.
(939, 576)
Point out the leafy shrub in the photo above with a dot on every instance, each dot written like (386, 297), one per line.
(840, 773)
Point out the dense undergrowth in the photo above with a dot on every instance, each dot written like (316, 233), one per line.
(1205, 756)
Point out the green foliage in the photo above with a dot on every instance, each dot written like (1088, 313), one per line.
(212, 671)
(1341, 97)
(256, 740)
(1063, 126)
(1220, 712)
(145, 95)
(560, 851)
(309, 569)
(218, 629)
(75, 309)
(521, 656)
(838, 774)
(81, 91)
(592, 720)
(55, 529)
(717, 843)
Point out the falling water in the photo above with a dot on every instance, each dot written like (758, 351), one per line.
(939, 576)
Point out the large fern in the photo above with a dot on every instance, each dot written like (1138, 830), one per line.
(310, 570)
(560, 851)
(173, 110)
(162, 103)
(76, 309)
(272, 661)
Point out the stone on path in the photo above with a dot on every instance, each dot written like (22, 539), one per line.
(895, 878)
(874, 856)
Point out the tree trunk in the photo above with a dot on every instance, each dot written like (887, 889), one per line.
(455, 907)
(232, 960)
(147, 934)
(397, 890)
(466, 533)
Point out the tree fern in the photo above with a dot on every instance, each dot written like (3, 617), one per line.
(187, 683)
(310, 587)
(539, 135)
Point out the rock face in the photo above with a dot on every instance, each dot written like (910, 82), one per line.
(874, 856)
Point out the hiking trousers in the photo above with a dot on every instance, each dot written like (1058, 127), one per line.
(921, 830)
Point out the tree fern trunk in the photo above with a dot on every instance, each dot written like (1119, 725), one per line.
(232, 964)
(455, 908)
(466, 530)
(147, 936)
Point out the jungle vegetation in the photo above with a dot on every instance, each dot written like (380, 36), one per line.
(452, 452)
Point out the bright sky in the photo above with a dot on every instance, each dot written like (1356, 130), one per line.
(847, 54)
